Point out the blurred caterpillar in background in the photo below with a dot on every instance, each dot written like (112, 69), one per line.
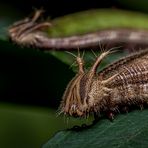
(29, 32)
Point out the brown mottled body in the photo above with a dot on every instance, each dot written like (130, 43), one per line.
(29, 32)
(121, 84)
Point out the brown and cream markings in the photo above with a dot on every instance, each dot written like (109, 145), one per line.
(29, 32)
(121, 84)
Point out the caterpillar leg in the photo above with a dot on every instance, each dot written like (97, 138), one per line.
(110, 115)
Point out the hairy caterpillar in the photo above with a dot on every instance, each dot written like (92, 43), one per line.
(29, 32)
(121, 84)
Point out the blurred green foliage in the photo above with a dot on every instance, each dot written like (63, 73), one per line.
(94, 20)
(24, 126)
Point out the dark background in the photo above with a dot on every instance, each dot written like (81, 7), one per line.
(33, 77)
(56, 8)
(30, 77)
(59, 7)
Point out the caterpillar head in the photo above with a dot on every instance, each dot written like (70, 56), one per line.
(24, 32)
(80, 97)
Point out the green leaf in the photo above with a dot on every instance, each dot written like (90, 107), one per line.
(126, 131)
(25, 126)
(95, 20)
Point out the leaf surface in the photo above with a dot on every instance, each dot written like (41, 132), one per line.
(127, 130)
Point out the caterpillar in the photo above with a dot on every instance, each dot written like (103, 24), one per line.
(122, 84)
(29, 32)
